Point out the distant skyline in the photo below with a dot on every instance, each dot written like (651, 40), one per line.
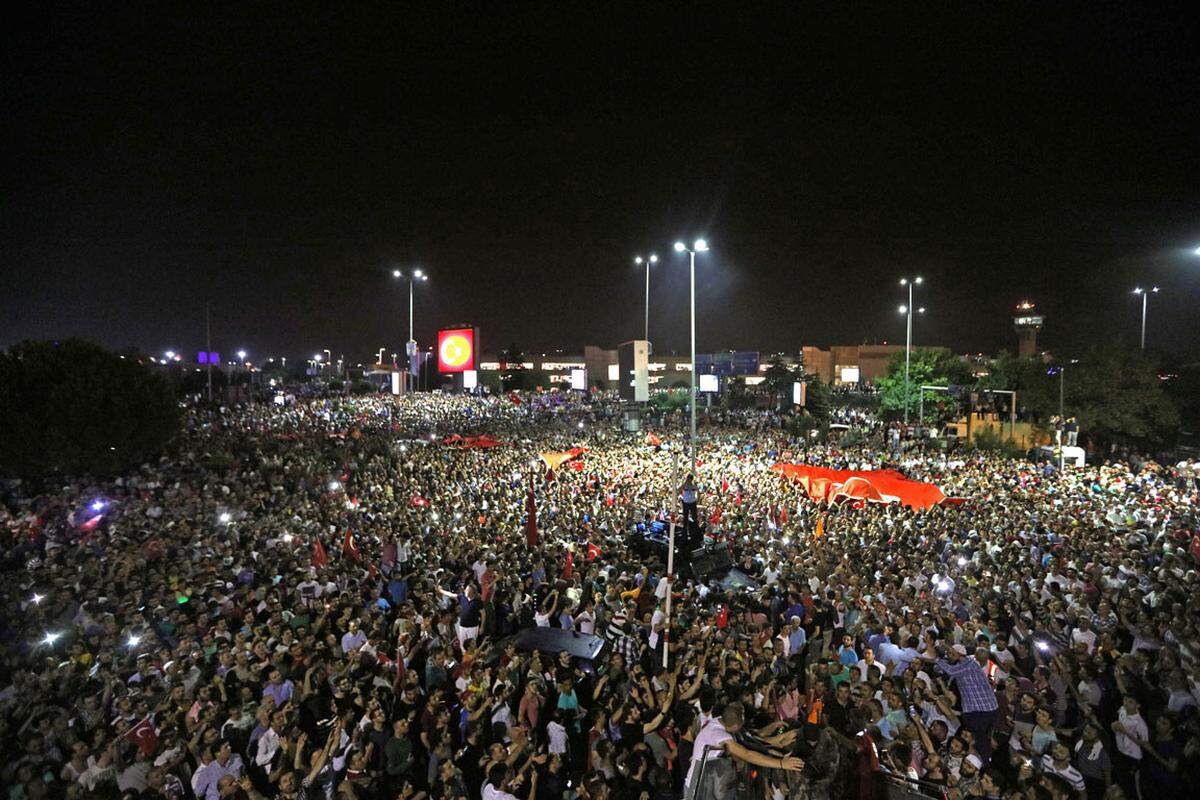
(282, 164)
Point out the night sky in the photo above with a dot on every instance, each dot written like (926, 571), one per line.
(280, 164)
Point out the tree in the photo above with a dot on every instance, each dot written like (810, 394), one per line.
(1114, 392)
(818, 400)
(1117, 395)
(778, 379)
(73, 408)
(928, 367)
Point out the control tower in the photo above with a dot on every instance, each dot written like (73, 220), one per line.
(1027, 323)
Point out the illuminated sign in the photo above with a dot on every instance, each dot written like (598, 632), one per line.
(1028, 321)
(579, 380)
(799, 392)
(456, 349)
(849, 375)
(709, 383)
(470, 379)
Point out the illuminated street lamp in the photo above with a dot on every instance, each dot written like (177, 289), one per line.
(651, 259)
(908, 312)
(1145, 293)
(410, 348)
(699, 246)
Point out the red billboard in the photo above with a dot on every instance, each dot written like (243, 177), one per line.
(456, 350)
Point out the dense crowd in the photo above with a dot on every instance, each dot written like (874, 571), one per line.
(315, 601)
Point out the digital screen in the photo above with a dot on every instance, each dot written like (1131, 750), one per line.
(709, 383)
(849, 375)
(456, 349)
(798, 393)
(579, 380)
(470, 379)
(740, 362)
(395, 383)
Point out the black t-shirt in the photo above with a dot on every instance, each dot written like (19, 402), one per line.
(469, 612)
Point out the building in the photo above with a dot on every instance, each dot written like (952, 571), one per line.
(840, 364)
(843, 364)
(1027, 323)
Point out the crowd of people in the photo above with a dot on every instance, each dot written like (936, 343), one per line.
(318, 601)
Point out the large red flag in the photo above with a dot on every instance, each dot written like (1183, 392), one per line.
(569, 566)
(531, 531)
(319, 557)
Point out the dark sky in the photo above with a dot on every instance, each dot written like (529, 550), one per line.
(280, 164)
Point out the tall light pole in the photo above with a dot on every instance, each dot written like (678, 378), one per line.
(208, 345)
(410, 347)
(908, 312)
(651, 259)
(1145, 293)
(699, 246)
(1061, 369)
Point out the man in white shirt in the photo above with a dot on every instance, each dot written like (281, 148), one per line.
(1130, 729)
(718, 735)
(1084, 635)
(657, 623)
(585, 620)
(500, 779)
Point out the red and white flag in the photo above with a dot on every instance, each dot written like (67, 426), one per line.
(145, 736)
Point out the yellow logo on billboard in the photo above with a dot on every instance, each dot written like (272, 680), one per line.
(456, 350)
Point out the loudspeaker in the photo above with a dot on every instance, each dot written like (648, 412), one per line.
(707, 560)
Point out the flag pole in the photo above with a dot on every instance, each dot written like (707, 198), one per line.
(670, 591)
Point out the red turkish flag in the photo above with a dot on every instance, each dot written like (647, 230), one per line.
(349, 549)
(593, 552)
(144, 736)
(569, 567)
(319, 557)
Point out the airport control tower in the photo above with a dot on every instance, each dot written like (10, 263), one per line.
(1027, 323)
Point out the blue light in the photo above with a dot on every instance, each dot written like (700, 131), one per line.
(97, 505)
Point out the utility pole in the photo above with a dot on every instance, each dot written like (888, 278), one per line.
(208, 344)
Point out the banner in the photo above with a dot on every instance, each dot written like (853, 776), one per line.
(879, 486)
(554, 460)
(471, 442)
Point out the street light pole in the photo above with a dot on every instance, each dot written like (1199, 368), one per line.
(1145, 293)
(699, 246)
(652, 259)
(908, 312)
(208, 345)
(410, 347)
